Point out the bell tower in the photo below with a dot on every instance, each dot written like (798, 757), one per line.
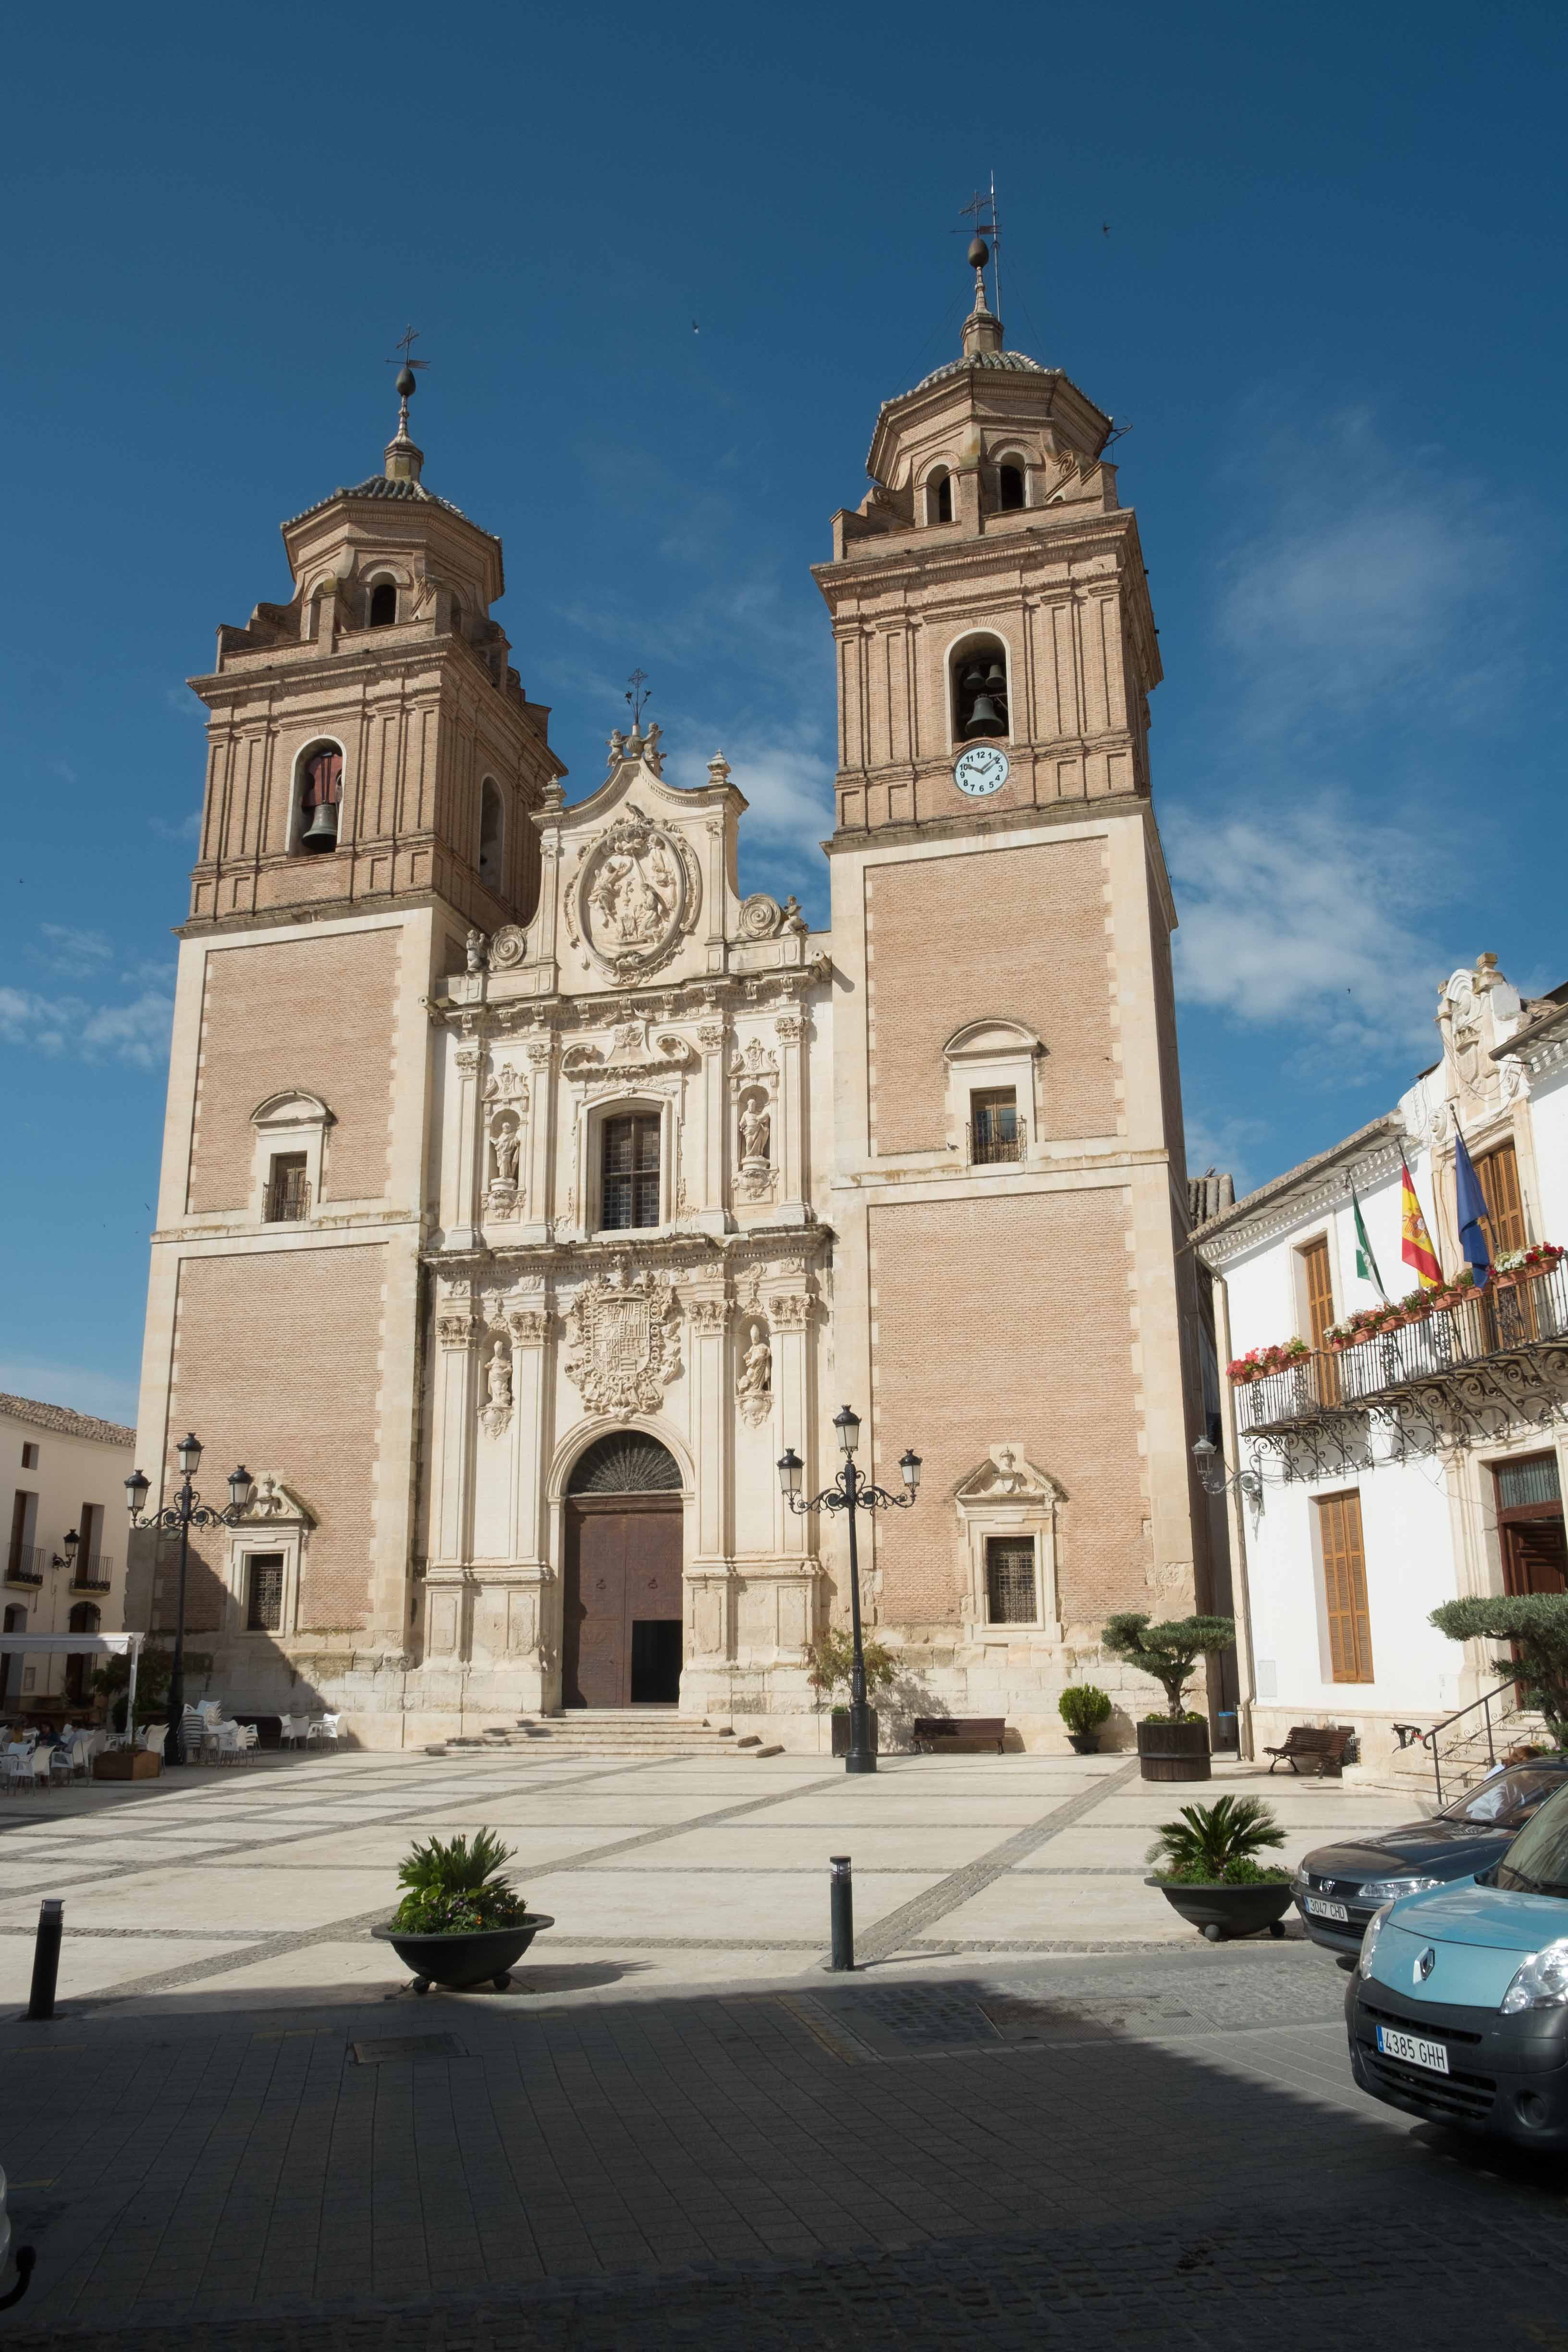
(373, 768)
(1010, 1187)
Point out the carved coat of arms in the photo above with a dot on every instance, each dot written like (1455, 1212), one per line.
(635, 895)
(623, 1342)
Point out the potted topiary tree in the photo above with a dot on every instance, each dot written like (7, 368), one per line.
(829, 1661)
(1536, 1624)
(1209, 1874)
(1173, 1745)
(1083, 1709)
(461, 1923)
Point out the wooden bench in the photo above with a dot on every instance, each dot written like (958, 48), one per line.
(1319, 1746)
(941, 1735)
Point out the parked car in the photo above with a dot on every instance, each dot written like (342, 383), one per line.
(1338, 1887)
(1457, 2011)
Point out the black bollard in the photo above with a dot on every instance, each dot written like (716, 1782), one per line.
(47, 1958)
(841, 1907)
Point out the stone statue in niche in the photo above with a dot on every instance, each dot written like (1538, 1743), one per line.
(496, 1411)
(500, 1193)
(755, 1388)
(474, 950)
(755, 1123)
(503, 1146)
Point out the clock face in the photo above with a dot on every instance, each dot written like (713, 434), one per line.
(981, 769)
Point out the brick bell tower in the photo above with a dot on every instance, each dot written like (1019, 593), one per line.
(1012, 1294)
(373, 766)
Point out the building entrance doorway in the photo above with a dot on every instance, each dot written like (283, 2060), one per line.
(1530, 1523)
(621, 1585)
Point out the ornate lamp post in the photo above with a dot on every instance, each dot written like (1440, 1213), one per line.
(852, 1491)
(186, 1511)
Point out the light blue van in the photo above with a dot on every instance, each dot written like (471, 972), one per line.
(1458, 2008)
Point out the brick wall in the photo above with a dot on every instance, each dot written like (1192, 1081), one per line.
(277, 1365)
(312, 1014)
(1018, 933)
(1007, 1319)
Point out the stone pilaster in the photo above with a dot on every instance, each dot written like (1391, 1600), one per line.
(540, 1203)
(460, 1210)
(713, 1212)
(789, 1114)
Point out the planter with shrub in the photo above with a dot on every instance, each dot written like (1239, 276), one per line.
(1083, 1709)
(461, 1922)
(1173, 1745)
(1208, 1872)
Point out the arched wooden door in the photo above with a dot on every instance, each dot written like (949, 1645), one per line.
(621, 1588)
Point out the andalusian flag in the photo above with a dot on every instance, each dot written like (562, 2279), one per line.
(1365, 1264)
(1416, 1242)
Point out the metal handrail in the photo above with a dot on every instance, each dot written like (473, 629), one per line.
(1483, 1704)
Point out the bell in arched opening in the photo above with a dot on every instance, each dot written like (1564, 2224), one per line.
(323, 789)
(982, 697)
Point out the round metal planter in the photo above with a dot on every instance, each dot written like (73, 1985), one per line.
(480, 1955)
(1222, 1911)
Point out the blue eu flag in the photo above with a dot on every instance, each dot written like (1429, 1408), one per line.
(1470, 1202)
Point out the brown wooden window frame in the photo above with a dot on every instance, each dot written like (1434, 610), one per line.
(1496, 1171)
(630, 1196)
(1341, 1548)
(288, 1199)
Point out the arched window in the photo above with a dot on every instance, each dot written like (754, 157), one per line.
(1010, 487)
(980, 690)
(321, 790)
(382, 604)
(938, 497)
(625, 1462)
(492, 836)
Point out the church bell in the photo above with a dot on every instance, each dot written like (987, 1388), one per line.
(987, 715)
(321, 832)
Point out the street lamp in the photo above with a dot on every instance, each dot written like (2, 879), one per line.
(186, 1511)
(71, 1542)
(1205, 1452)
(851, 1491)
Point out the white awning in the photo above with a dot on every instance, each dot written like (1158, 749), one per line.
(74, 1645)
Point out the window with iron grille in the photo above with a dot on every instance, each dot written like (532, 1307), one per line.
(629, 1171)
(288, 1188)
(1532, 1480)
(264, 1596)
(1010, 1581)
(994, 1125)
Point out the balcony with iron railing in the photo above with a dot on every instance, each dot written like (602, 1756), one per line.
(26, 1563)
(1514, 1316)
(95, 1575)
(987, 1148)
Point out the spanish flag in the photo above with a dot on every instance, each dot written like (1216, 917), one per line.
(1415, 1241)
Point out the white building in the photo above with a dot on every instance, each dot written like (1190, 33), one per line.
(1387, 1470)
(66, 1472)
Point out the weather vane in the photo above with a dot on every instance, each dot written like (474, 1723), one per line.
(637, 696)
(981, 210)
(405, 342)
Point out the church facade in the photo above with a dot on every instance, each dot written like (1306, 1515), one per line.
(528, 1188)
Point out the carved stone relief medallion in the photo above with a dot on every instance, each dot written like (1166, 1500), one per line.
(635, 895)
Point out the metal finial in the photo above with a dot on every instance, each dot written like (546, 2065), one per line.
(637, 696)
(408, 382)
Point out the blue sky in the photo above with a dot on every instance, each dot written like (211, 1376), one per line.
(1329, 303)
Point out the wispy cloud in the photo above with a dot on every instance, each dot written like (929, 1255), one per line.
(81, 1388)
(68, 947)
(136, 1031)
(1307, 920)
(184, 828)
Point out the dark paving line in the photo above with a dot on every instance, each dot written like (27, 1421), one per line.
(337, 1931)
(959, 1886)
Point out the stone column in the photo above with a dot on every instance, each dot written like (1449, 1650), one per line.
(789, 1120)
(708, 1571)
(790, 1316)
(540, 1199)
(451, 1475)
(460, 1212)
(713, 1208)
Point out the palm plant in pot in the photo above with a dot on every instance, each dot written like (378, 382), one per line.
(1083, 1709)
(1172, 1746)
(1208, 1872)
(461, 1922)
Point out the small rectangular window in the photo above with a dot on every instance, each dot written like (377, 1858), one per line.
(29, 1457)
(264, 1595)
(993, 1128)
(288, 1188)
(1532, 1481)
(1010, 1581)
(629, 1171)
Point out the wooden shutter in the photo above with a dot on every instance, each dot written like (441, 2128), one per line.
(1498, 1174)
(1344, 1582)
(1320, 1289)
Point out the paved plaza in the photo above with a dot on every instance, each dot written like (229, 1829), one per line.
(1042, 2112)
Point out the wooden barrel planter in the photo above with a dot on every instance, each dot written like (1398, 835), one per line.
(1174, 1751)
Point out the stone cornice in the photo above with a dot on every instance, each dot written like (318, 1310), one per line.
(1319, 1184)
(969, 823)
(769, 990)
(810, 1246)
(910, 556)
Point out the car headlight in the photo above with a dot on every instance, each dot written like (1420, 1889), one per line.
(1542, 1982)
(1374, 1927)
(1389, 1890)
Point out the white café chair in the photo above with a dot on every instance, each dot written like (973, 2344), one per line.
(17, 1761)
(152, 1737)
(228, 1747)
(325, 1730)
(294, 1730)
(250, 1743)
